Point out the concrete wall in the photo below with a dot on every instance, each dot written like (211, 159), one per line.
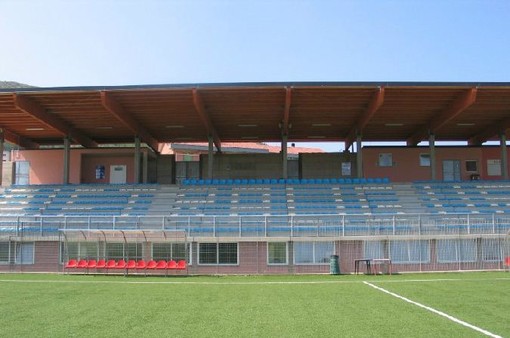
(7, 174)
(326, 165)
(243, 166)
(165, 169)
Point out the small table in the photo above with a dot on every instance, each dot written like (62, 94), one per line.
(378, 261)
(367, 264)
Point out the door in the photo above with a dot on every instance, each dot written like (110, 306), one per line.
(21, 172)
(451, 170)
(118, 174)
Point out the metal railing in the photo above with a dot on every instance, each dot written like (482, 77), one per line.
(270, 225)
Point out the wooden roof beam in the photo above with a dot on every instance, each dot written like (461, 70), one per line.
(38, 112)
(461, 103)
(13, 138)
(206, 119)
(375, 104)
(286, 111)
(494, 130)
(114, 107)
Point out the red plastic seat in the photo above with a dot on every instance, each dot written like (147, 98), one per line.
(172, 265)
(121, 264)
(131, 264)
(101, 264)
(161, 265)
(141, 265)
(507, 262)
(92, 264)
(110, 264)
(152, 264)
(82, 264)
(73, 263)
(181, 265)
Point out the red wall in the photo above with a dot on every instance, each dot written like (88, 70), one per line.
(47, 166)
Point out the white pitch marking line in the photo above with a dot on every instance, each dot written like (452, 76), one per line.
(453, 319)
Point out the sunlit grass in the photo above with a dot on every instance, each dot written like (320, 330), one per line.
(249, 306)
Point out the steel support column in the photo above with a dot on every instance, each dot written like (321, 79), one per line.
(504, 157)
(359, 157)
(210, 158)
(284, 156)
(432, 150)
(137, 160)
(67, 156)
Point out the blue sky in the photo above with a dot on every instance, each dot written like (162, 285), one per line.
(82, 43)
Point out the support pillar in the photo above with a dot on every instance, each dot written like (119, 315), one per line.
(210, 158)
(359, 157)
(137, 160)
(67, 156)
(2, 154)
(504, 157)
(432, 150)
(284, 157)
(145, 167)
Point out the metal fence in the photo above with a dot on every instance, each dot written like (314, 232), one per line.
(269, 226)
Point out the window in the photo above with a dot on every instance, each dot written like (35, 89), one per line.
(374, 249)
(410, 251)
(313, 252)
(494, 167)
(124, 251)
(277, 253)
(168, 251)
(24, 253)
(491, 250)
(472, 166)
(385, 160)
(217, 253)
(5, 249)
(424, 160)
(187, 157)
(456, 250)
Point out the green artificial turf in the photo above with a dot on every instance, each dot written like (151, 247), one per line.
(250, 306)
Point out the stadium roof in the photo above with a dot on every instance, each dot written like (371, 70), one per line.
(256, 112)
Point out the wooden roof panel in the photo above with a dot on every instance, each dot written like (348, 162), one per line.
(318, 111)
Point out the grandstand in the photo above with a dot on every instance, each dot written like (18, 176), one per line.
(81, 204)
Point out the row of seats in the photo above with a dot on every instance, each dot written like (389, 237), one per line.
(259, 181)
(122, 264)
(105, 200)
